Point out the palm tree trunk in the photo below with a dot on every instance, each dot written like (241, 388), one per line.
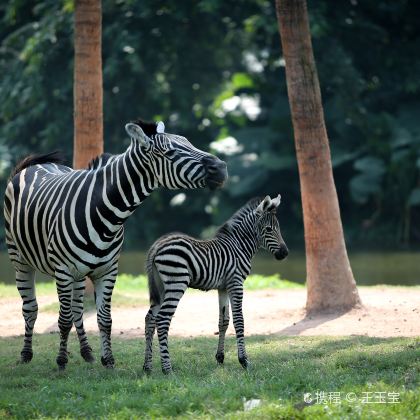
(330, 281)
(87, 89)
(88, 113)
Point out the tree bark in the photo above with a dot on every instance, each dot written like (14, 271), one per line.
(87, 88)
(330, 280)
(88, 113)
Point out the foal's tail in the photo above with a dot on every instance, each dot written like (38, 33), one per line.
(154, 281)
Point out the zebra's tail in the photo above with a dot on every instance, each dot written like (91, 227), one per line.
(154, 281)
(31, 160)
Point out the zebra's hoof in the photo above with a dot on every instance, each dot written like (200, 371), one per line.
(26, 356)
(86, 353)
(220, 357)
(61, 368)
(62, 362)
(244, 362)
(147, 370)
(108, 362)
(167, 371)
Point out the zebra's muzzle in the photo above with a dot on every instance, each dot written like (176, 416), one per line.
(216, 172)
(281, 253)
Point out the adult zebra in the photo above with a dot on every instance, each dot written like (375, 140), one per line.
(69, 223)
(177, 261)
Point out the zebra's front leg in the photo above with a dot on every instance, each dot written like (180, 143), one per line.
(149, 331)
(223, 324)
(174, 290)
(25, 283)
(236, 296)
(64, 284)
(103, 294)
(77, 309)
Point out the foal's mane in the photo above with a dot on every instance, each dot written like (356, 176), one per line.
(238, 216)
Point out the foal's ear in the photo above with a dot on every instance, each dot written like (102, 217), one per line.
(136, 132)
(275, 202)
(264, 205)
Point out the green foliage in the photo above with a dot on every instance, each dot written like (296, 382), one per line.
(258, 282)
(214, 69)
(283, 369)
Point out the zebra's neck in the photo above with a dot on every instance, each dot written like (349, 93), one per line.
(122, 185)
(245, 235)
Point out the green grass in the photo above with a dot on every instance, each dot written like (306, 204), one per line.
(129, 289)
(283, 369)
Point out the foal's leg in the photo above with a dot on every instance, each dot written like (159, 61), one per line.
(223, 324)
(175, 287)
(103, 294)
(25, 283)
(236, 295)
(149, 331)
(64, 283)
(77, 309)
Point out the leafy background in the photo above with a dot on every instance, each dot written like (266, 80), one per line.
(213, 71)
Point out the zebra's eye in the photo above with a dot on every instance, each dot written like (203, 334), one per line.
(268, 229)
(170, 154)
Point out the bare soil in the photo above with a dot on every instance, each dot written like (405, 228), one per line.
(386, 312)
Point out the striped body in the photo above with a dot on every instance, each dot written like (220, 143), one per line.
(70, 224)
(176, 262)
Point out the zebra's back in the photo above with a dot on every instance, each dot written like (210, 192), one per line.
(207, 263)
(42, 205)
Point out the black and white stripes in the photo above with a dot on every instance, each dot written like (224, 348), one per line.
(69, 223)
(176, 262)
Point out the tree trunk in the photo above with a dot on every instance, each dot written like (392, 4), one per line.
(88, 113)
(87, 89)
(330, 281)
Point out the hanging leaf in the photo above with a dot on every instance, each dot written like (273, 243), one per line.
(414, 199)
(370, 165)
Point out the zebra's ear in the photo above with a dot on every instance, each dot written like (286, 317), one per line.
(275, 202)
(264, 205)
(135, 132)
(160, 127)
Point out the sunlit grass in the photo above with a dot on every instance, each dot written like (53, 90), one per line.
(283, 369)
(129, 289)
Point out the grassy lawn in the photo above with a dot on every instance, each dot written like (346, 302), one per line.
(283, 369)
(129, 288)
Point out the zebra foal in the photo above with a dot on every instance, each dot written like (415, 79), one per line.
(176, 262)
(70, 223)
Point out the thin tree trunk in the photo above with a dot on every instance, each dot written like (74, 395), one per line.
(87, 89)
(88, 113)
(330, 281)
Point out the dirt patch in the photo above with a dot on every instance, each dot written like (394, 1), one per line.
(387, 312)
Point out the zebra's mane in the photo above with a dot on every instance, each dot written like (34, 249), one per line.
(149, 128)
(100, 160)
(238, 216)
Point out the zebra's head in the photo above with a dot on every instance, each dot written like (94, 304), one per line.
(175, 162)
(268, 228)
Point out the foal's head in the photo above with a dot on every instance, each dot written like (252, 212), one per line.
(268, 229)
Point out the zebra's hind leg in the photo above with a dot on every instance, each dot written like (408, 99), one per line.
(149, 331)
(174, 290)
(77, 309)
(223, 324)
(25, 283)
(103, 294)
(64, 284)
